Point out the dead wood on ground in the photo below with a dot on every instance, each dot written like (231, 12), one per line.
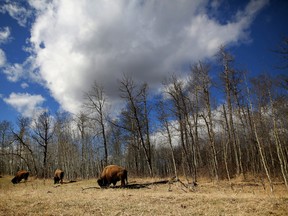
(93, 187)
(69, 182)
(190, 187)
(130, 186)
(142, 185)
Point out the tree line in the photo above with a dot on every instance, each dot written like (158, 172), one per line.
(184, 131)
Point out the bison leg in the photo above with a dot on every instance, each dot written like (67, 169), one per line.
(122, 182)
(26, 177)
(61, 177)
(56, 180)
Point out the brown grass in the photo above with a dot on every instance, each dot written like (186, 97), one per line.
(39, 197)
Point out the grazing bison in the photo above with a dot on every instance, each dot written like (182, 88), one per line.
(112, 174)
(58, 176)
(22, 174)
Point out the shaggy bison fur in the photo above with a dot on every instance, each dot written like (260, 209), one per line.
(58, 176)
(112, 174)
(22, 174)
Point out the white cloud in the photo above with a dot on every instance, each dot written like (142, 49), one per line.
(160, 137)
(25, 103)
(2, 58)
(39, 5)
(13, 72)
(251, 10)
(24, 85)
(4, 37)
(216, 3)
(16, 11)
(75, 43)
(4, 34)
(27, 71)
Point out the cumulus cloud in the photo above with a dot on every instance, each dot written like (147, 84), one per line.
(75, 43)
(25, 103)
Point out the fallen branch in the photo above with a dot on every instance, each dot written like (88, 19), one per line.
(182, 183)
(58, 185)
(142, 185)
(93, 187)
(130, 186)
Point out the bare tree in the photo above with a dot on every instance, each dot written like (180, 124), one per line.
(23, 137)
(126, 123)
(258, 140)
(278, 142)
(137, 100)
(282, 50)
(82, 124)
(6, 139)
(163, 117)
(66, 151)
(266, 84)
(96, 105)
(225, 144)
(228, 77)
(202, 71)
(43, 133)
(175, 88)
(117, 143)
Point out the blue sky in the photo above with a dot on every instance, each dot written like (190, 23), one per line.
(52, 51)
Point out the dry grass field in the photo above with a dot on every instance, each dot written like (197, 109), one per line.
(39, 197)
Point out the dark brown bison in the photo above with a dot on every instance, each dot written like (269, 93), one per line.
(58, 176)
(22, 174)
(112, 174)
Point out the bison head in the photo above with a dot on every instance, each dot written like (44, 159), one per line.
(102, 182)
(14, 180)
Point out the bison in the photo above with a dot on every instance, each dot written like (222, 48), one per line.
(22, 174)
(58, 176)
(112, 174)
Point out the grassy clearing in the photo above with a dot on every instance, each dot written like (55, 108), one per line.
(39, 197)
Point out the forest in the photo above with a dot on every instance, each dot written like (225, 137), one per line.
(185, 130)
